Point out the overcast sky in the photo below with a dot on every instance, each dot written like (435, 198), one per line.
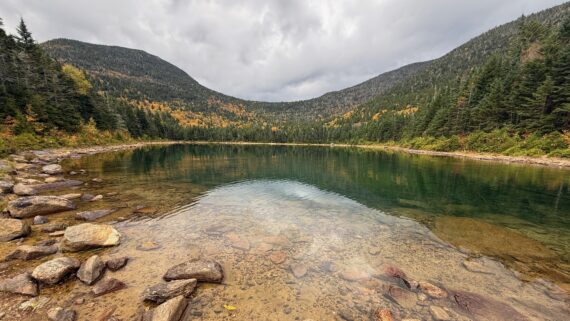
(269, 49)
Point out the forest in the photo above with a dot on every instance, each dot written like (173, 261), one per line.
(507, 91)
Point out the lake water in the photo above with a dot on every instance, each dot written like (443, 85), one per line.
(305, 232)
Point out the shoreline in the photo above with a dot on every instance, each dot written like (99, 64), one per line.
(66, 152)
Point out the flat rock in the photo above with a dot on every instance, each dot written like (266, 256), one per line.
(89, 236)
(278, 257)
(61, 184)
(439, 313)
(60, 314)
(71, 196)
(91, 270)
(39, 220)
(50, 228)
(24, 190)
(53, 271)
(30, 206)
(201, 270)
(165, 291)
(32, 252)
(21, 284)
(481, 308)
(93, 215)
(52, 169)
(354, 274)
(403, 297)
(299, 270)
(116, 263)
(432, 290)
(107, 286)
(170, 310)
(11, 228)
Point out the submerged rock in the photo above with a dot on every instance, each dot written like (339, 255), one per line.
(52, 272)
(38, 205)
(439, 314)
(238, 242)
(91, 270)
(93, 215)
(432, 290)
(355, 274)
(60, 314)
(32, 252)
(88, 236)
(11, 228)
(171, 310)
(482, 308)
(20, 284)
(403, 297)
(53, 169)
(278, 257)
(299, 270)
(107, 286)
(116, 263)
(201, 270)
(167, 290)
(383, 314)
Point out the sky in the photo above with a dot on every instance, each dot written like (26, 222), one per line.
(273, 50)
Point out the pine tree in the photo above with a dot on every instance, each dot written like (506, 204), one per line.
(24, 35)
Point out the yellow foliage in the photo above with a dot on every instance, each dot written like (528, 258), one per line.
(82, 85)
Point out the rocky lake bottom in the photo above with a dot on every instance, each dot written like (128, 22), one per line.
(184, 233)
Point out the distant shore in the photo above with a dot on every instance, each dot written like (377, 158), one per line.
(497, 158)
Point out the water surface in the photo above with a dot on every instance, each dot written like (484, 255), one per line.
(501, 231)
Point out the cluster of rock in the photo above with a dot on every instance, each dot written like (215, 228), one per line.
(179, 283)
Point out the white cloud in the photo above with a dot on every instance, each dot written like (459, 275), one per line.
(273, 49)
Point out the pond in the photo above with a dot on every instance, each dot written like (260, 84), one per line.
(323, 233)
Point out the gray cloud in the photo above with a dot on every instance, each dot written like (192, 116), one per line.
(273, 49)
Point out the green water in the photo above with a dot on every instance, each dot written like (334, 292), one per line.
(532, 200)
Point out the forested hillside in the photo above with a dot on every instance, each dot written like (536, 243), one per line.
(506, 91)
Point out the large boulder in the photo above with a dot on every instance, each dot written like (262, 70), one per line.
(38, 205)
(93, 215)
(52, 272)
(171, 310)
(32, 252)
(52, 169)
(21, 284)
(91, 270)
(11, 228)
(89, 236)
(165, 291)
(201, 270)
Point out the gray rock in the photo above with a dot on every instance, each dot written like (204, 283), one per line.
(93, 215)
(89, 236)
(91, 270)
(171, 310)
(6, 187)
(39, 220)
(21, 284)
(60, 314)
(38, 205)
(24, 190)
(201, 270)
(32, 252)
(116, 263)
(11, 228)
(53, 271)
(107, 286)
(165, 291)
(53, 169)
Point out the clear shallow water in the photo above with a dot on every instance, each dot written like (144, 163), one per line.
(500, 231)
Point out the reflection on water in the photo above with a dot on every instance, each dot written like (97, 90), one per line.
(305, 233)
